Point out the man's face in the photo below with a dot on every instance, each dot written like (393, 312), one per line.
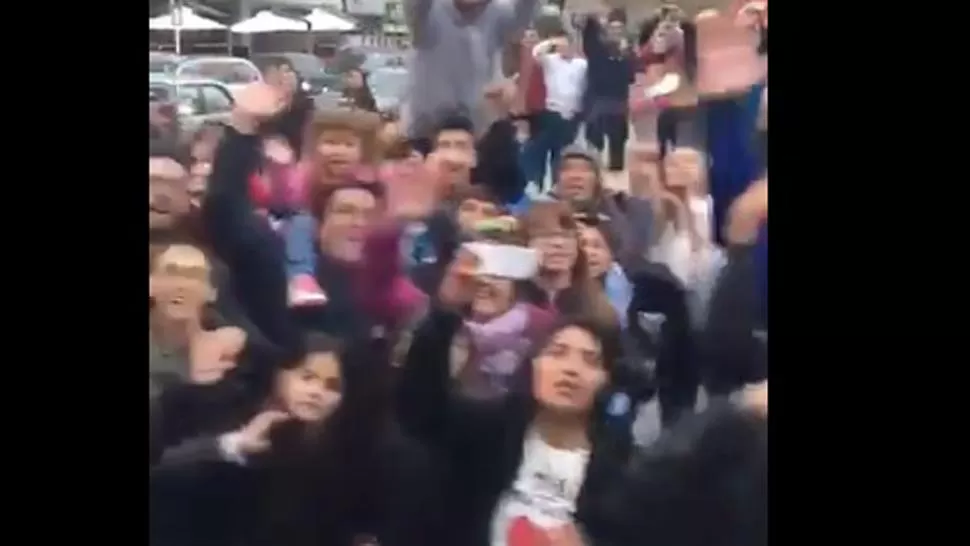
(168, 193)
(577, 179)
(566, 48)
(348, 216)
(615, 32)
(473, 211)
(340, 150)
(455, 150)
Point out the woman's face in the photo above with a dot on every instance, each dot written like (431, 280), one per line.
(312, 391)
(569, 371)
(666, 37)
(493, 297)
(598, 255)
(558, 249)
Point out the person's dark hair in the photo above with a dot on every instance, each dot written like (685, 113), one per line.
(313, 343)
(321, 195)
(341, 455)
(271, 62)
(454, 122)
(477, 192)
(617, 15)
(689, 52)
(688, 47)
(169, 148)
(361, 98)
(710, 467)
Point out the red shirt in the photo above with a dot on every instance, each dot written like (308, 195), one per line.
(532, 84)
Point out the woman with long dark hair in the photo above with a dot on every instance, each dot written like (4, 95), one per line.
(532, 465)
(357, 91)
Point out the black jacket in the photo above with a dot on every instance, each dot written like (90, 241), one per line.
(611, 71)
(481, 442)
(659, 324)
(254, 255)
(734, 341)
(498, 163)
(245, 242)
(356, 476)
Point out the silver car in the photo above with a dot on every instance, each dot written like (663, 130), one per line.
(233, 72)
(389, 85)
(197, 101)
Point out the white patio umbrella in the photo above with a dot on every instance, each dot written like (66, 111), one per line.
(323, 21)
(181, 19)
(267, 21)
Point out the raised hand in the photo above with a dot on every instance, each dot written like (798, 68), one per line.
(255, 104)
(458, 285)
(727, 59)
(254, 437)
(278, 151)
(212, 354)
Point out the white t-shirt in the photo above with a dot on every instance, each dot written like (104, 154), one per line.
(543, 495)
(674, 248)
(565, 83)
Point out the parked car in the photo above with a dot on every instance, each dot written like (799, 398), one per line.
(367, 59)
(233, 72)
(196, 101)
(389, 85)
(311, 70)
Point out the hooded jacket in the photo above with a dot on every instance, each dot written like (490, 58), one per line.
(631, 218)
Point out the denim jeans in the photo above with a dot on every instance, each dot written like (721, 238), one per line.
(298, 236)
(552, 133)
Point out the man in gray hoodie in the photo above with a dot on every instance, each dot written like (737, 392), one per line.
(630, 218)
(456, 56)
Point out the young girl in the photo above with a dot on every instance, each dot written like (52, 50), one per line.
(304, 459)
(342, 145)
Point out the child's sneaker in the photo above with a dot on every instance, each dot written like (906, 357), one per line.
(304, 291)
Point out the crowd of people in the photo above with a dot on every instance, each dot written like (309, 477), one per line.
(367, 331)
